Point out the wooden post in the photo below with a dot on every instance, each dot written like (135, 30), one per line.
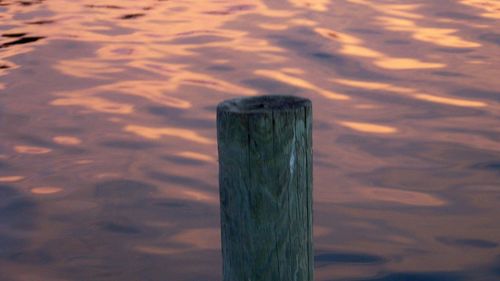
(265, 178)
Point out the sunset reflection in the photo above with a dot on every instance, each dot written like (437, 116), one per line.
(315, 5)
(373, 85)
(108, 151)
(273, 26)
(353, 46)
(157, 133)
(402, 17)
(11, 178)
(295, 81)
(450, 101)
(414, 93)
(94, 103)
(46, 190)
(400, 10)
(67, 140)
(371, 194)
(491, 9)
(406, 63)
(439, 36)
(368, 127)
(87, 68)
(197, 156)
(31, 149)
(199, 196)
(190, 240)
(199, 239)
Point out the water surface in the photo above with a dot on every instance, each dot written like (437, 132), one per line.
(108, 165)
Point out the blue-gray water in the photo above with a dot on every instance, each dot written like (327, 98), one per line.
(108, 164)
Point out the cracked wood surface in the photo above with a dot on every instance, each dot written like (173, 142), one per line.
(265, 178)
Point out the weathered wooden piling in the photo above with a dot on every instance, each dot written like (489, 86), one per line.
(265, 178)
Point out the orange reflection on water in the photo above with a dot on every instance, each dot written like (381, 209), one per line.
(86, 68)
(157, 133)
(273, 58)
(466, 23)
(11, 178)
(315, 5)
(67, 140)
(197, 195)
(450, 101)
(476, 62)
(185, 21)
(189, 240)
(197, 156)
(155, 91)
(368, 127)
(185, 193)
(179, 75)
(46, 190)
(303, 22)
(140, 59)
(491, 7)
(439, 36)
(338, 36)
(400, 196)
(414, 93)
(366, 106)
(292, 70)
(94, 103)
(121, 51)
(126, 37)
(399, 10)
(353, 46)
(159, 250)
(199, 238)
(31, 149)
(370, 85)
(271, 26)
(406, 63)
(360, 51)
(367, 194)
(298, 82)
(402, 17)
(84, 162)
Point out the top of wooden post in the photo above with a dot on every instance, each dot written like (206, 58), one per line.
(263, 104)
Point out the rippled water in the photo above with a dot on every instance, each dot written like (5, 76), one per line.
(108, 165)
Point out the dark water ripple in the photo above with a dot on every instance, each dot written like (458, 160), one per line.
(23, 40)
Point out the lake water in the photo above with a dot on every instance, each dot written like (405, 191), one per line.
(108, 161)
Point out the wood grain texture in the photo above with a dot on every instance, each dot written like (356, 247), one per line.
(265, 178)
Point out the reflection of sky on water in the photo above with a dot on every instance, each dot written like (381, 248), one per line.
(108, 165)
